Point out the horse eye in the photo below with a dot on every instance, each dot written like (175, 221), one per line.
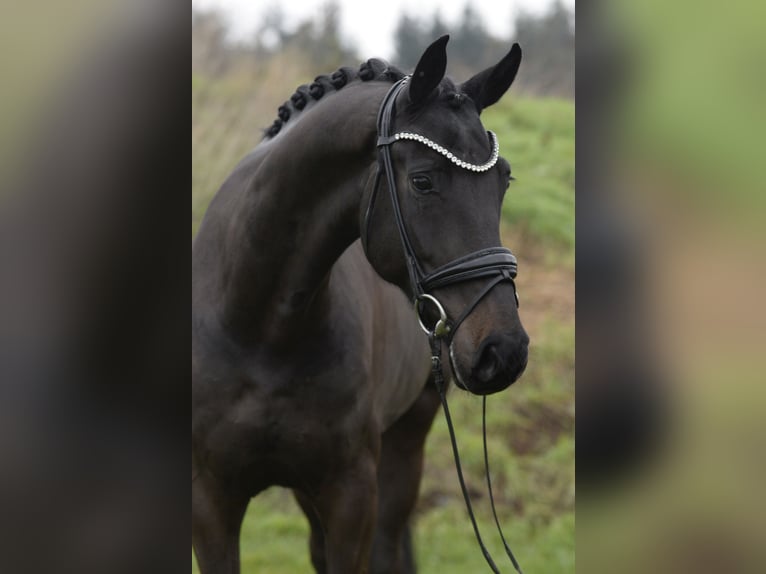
(509, 178)
(422, 183)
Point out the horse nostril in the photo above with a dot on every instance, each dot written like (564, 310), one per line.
(489, 363)
(501, 359)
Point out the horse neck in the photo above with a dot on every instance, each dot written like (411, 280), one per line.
(288, 212)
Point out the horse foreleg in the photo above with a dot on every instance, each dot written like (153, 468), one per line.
(217, 515)
(399, 472)
(346, 504)
(316, 538)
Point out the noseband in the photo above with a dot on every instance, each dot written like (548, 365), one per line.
(496, 264)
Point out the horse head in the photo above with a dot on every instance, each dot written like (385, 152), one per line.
(435, 230)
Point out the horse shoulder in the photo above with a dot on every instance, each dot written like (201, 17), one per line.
(392, 348)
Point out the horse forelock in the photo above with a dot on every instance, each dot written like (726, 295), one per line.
(372, 69)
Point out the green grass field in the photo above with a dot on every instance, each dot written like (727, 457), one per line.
(531, 425)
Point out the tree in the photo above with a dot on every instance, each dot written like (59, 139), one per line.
(272, 32)
(317, 41)
(471, 40)
(471, 46)
(209, 51)
(330, 50)
(548, 42)
(410, 40)
(438, 27)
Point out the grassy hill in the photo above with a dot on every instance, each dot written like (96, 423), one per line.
(531, 425)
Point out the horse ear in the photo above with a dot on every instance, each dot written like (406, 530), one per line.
(429, 71)
(486, 87)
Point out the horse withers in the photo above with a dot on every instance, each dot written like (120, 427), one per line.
(310, 370)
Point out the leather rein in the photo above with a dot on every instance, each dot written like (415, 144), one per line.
(495, 264)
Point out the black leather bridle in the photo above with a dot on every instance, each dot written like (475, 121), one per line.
(496, 264)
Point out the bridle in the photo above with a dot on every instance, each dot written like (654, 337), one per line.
(495, 264)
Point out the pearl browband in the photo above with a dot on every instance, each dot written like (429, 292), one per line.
(489, 164)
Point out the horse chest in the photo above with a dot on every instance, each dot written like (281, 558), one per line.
(281, 419)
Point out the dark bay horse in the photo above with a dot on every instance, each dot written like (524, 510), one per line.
(310, 370)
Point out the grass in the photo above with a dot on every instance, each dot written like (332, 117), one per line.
(531, 426)
(537, 137)
(531, 445)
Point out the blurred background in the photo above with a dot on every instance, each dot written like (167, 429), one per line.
(248, 58)
(94, 363)
(671, 322)
(671, 434)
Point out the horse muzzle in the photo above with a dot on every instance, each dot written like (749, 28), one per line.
(497, 363)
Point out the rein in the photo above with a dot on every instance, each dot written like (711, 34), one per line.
(438, 376)
(495, 264)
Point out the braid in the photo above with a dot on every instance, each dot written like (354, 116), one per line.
(301, 97)
(317, 89)
(372, 69)
(274, 128)
(339, 78)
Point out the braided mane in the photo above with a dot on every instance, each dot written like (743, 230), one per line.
(372, 69)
